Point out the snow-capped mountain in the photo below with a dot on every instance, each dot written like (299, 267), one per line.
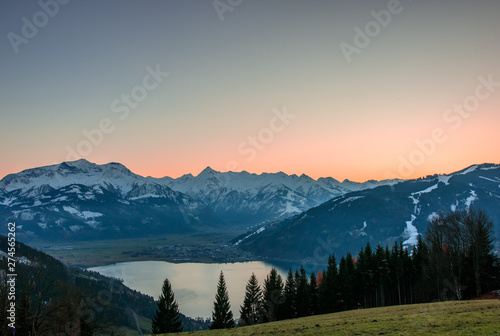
(83, 200)
(79, 172)
(381, 215)
(241, 198)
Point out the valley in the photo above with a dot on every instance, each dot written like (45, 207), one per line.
(172, 248)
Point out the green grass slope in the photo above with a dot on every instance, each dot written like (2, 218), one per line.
(443, 318)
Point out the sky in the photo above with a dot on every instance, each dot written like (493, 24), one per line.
(358, 90)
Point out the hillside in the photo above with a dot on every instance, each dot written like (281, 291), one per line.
(380, 215)
(442, 318)
(57, 296)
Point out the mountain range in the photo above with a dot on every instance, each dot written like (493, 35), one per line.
(285, 217)
(80, 200)
(244, 199)
(382, 215)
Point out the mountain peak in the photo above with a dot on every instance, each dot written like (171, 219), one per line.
(80, 164)
(207, 171)
(118, 166)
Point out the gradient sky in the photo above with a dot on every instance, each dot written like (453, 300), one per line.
(228, 78)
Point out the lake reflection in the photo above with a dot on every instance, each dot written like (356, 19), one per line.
(194, 284)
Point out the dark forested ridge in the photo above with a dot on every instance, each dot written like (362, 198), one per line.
(53, 299)
(455, 261)
(380, 215)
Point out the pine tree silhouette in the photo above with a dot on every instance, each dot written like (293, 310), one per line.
(251, 312)
(272, 296)
(167, 319)
(222, 316)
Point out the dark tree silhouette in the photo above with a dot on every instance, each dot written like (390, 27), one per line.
(460, 247)
(302, 303)
(167, 318)
(251, 312)
(289, 308)
(329, 287)
(273, 296)
(313, 295)
(222, 317)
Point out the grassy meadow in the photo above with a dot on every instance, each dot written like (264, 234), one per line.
(480, 317)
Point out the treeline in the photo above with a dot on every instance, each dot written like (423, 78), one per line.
(455, 261)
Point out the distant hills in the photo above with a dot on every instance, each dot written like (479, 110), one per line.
(81, 200)
(381, 215)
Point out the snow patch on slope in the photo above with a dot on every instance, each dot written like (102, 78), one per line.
(432, 216)
(490, 168)
(90, 214)
(250, 235)
(411, 233)
(470, 199)
(351, 199)
(75, 228)
(444, 178)
(71, 210)
(426, 191)
(415, 202)
(145, 196)
(468, 170)
(488, 179)
(290, 209)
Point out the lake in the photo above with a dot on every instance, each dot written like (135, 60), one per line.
(194, 284)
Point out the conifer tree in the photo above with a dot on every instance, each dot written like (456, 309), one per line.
(289, 308)
(381, 275)
(251, 311)
(420, 260)
(222, 316)
(301, 293)
(167, 318)
(328, 288)
(313, 295)
(479, 228)
(273, 297)
(346, 282)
